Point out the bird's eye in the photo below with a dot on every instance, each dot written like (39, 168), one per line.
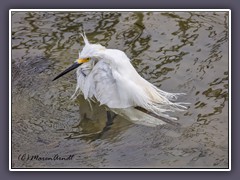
(88, 59)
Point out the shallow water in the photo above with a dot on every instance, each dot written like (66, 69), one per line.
(176, 51)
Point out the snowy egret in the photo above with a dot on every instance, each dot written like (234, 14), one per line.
(107, 75)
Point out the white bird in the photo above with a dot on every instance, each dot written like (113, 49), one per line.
(107, 75)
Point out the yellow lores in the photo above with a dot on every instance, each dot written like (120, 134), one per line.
(83, 60)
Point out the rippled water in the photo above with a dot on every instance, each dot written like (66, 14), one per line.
(176, 51)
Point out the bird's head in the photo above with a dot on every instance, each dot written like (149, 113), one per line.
(88, 53)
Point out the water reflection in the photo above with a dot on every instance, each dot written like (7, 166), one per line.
(177, 51)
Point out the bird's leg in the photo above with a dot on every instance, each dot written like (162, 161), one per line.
(110, 117)
(109, 122)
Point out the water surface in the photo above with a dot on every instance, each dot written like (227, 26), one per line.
(176, 51)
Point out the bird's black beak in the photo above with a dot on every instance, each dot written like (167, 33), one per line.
(72, 67)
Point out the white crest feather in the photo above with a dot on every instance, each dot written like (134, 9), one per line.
(84, 38)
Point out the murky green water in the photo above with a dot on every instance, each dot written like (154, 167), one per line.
(176, 51)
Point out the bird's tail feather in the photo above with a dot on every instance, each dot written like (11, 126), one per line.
(169, 96)
(160, 102)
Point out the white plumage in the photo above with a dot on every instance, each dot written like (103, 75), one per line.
(110, 78)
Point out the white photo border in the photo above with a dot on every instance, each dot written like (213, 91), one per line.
(119, 169)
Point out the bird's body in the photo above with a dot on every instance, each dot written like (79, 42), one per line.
(108, 76)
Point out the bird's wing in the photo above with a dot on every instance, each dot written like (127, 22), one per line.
(114, 82)
(102, 84)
